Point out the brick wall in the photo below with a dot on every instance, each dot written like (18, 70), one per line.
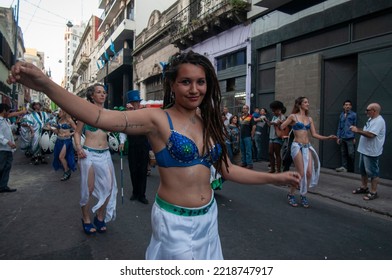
(300, 76)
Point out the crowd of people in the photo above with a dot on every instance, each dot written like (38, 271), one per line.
(289, 143)
(190, 138)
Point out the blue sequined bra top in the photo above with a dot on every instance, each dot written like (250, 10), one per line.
(180, 151)
(301, 126)
(64, 126)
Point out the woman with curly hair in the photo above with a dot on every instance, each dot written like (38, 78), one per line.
(186, 144)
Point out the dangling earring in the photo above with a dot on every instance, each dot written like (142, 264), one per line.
(172, 95)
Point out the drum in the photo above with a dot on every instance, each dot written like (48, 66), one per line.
(25, 137)
(52, 142)
(113, 142)
(44, 141)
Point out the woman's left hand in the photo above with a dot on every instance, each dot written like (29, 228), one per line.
(291, 178)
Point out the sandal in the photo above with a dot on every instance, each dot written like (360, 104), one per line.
(370, 196)
(304, 202)
(100, 225)
(66, 176)
(360, 190)
(291, 200)
(89, 229)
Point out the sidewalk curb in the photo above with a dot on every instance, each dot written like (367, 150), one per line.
(370, 209)
(340, 191)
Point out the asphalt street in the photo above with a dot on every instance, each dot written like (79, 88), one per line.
(42, 219)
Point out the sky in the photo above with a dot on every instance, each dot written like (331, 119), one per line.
(43, 23)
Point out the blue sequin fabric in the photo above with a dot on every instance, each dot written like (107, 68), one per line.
(182, 148)
(181, 151)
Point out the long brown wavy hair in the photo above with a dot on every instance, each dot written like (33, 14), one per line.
(210, 106)
(297, 105)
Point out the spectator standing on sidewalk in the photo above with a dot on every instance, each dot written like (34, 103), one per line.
(275, 142)
(234, 131)
(226, 132)
(7, 148)
(248, 129)
(370, 148)
(346, 138)
(187, 144)
(228, 115)
(260, 120)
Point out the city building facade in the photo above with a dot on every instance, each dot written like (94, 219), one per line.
(85, 63)
(152, 48)
(9, 31)
(72, 36)
(38, 59)
(114, 49)
(218, 29)
(328, 51)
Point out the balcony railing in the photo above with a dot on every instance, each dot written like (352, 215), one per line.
(195, 24)
(83, 64)
(124, 57)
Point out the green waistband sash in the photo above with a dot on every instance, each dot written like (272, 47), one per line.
(183, 211)
(98, 151)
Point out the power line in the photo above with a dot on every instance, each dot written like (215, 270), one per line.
(28, 25)
(44, 9)
(27, 15)
(42, 21)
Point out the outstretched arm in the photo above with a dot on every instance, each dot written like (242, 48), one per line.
(16, 114)
(360, 131)
(130, 122)
(32, 77)
(251, 177)
(318, 136)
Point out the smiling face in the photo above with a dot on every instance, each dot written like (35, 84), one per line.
(190, 85)
(305, 104)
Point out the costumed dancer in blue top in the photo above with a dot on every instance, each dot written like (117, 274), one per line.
(305, 158)
(63, 154)
(186, 144)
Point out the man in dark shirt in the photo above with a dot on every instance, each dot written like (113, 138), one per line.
(346, 138)
(248, 129)
(138, 156)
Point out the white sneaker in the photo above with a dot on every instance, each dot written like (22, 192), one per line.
(341, 169)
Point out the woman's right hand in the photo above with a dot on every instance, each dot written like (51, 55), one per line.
(28, 75)
(81, 153)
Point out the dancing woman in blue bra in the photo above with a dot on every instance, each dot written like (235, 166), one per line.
(63, 153)
(186, 144)
(305, 158)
